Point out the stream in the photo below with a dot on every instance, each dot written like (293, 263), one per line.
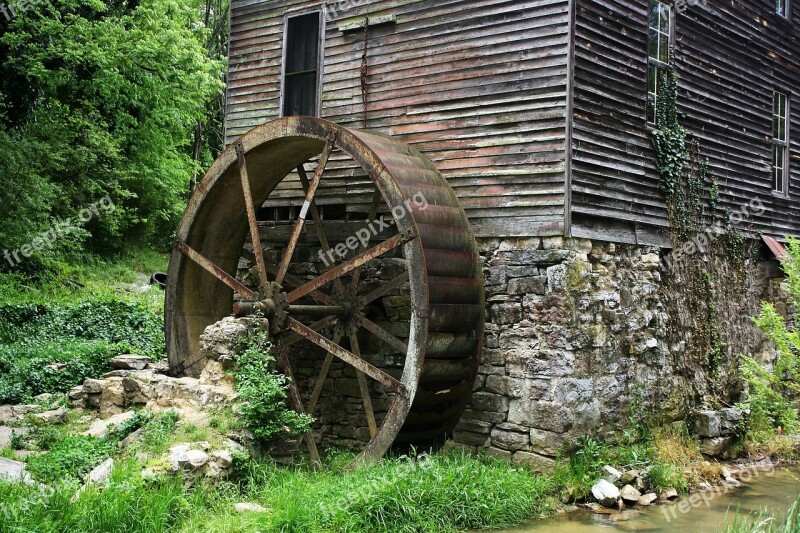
(776, 492)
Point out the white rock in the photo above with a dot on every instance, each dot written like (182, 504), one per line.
(14, 472)
(130, 362)
(101, 473)
(120, 419)
(98, 429)
(630, 494)
(56, 416)
(611, 474)
(249, 508)
(196, 459)
(647, 499)
(606, 493)
(222, 458)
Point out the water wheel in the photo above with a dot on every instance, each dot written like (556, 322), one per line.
(423, 359)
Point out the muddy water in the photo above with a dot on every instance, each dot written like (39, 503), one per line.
(776, 492)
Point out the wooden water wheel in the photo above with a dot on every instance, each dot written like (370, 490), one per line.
(413, 217)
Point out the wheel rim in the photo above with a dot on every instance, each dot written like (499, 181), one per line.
(221, 215)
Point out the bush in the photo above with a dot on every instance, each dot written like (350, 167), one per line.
(70, 459)
(262, 392)
(772, 395)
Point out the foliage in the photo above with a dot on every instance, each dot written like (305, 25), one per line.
(54, 334)
(772, 394)
(97, 99)
(765, 522)
(72, 458)
(262, 392)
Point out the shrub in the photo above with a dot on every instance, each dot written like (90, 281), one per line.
(263, 393)
(70, 459)
(772, 392)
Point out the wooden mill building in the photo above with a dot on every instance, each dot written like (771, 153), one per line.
(539, 113)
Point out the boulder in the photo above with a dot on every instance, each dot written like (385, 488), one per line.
(669, 494)
(629, 477)
(606, 494)
(130, 362)
(14, 472)
(5, 436)
(101, 473)
(647, 499)
(716, 446)
(56, 416)
(196, 459)
(630, 494)
(611, 474)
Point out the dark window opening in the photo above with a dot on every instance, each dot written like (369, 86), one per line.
(782, 7)
(301, 66)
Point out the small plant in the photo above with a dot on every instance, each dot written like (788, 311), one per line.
(263, 393)
(70, 459)
(17, 440)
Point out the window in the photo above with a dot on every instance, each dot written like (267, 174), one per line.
(780, 143)
(301, 65)
(659, 52)
(782, 7)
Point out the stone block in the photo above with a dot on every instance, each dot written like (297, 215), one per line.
(503, 455)
(546, 442)
(547, 416)
(486, 401)
(510, 440)
(533, 285)
(534, 461)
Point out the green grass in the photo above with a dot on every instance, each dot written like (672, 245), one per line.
(765, 522)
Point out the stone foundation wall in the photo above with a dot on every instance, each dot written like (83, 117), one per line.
(582, 335)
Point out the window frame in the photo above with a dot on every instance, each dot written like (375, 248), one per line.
(786, 143)
(787, 9)
(655, 63)
(320, 59)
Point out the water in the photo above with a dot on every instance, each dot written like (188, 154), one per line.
(777, 492)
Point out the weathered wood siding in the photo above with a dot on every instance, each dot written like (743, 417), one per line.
(731, 56)
(479, 86)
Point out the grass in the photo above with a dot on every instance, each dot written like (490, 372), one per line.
(765, 522)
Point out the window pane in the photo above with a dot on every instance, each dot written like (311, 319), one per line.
(652, 93)
(663, 49)
(654, 14)
(664, 8)
(780, 7)
(300, 95)
(653, 44)
(302, 43)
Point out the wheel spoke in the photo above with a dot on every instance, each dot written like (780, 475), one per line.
(383, 290)
(294, 282)
(294, 396)
(323, 237)
(216, 271)
(362, 385)
(346, 356)
(348, 266)
(382, 334)
(323, 375)
(373, 213)
(251, 214)
(294, 338)
(312, 191)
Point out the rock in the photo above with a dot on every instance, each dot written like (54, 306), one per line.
(57, 416)
(716, 446)
(630, 494)
(196, 459)
(647, 499)
(235, 447)
(220, 340)
(119, 419)
(5, 436)
(597, 508)
(222, 458)
(629, 477)
(131, 439)
(94, 386)
(130, 362)
(178, 455)
(43, 398)
(534, 461)
(611, 474)
(98, 429)
(56, 367)
(101, 473)
(14, 472)
(116, 374)
(669, 494)
(606, 493)
(161, 366)
(725, 472)
(76, 393)
(249, 508)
